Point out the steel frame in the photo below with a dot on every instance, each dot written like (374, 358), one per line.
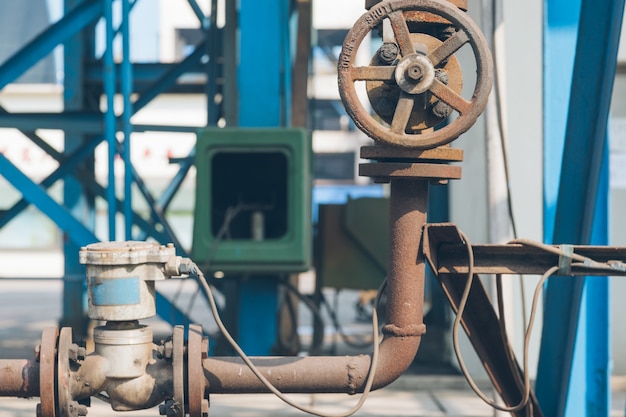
(84, 127)
(580, 40)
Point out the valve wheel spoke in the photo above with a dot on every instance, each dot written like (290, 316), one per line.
(403, 113)
(449, 47)
(450, 97)
(401, 32)
(373, 73)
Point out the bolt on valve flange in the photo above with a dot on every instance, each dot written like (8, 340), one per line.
(424, 74)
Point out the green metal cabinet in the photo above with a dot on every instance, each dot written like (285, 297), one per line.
(253, 200)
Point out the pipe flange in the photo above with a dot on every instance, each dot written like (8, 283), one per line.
(47, 367)
(63, 373)
(178, 365)
(197, 350)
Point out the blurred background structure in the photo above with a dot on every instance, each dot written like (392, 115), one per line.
(110, 108)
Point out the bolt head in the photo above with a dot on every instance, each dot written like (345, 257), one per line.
(414, 72)
(204, 408)
(388, 52)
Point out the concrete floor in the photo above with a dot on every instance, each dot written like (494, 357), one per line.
(27, 307)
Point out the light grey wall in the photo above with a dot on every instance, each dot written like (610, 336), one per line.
(617, 236)
(521, 80)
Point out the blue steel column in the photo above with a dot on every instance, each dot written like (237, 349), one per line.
(109, 116)
(574, 356)
(81, 207)
(263, 76)
(127, 88)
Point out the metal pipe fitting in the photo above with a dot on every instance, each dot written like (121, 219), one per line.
(121, 276)
(405, 302)
(148, 389)
(19, 377)
(128, 351)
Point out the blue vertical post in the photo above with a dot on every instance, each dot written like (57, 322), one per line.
(263, 77)
(109, 117)
(580, 51)
(74, 197)
(127, 88)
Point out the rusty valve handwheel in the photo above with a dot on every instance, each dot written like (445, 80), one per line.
(414, 74)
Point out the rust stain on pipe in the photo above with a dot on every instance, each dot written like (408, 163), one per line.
(402, 334)
(19, 378)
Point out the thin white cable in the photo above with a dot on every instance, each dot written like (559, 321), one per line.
(370, 377)
(457, 323)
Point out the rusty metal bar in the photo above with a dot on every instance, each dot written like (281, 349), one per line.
(402, 334)
(448, 255)
(492, 346)
(19, 378)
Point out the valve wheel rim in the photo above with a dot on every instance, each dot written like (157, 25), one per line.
(348, 74)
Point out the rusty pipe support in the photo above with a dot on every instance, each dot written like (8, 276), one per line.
(402, 334)
(19, 378)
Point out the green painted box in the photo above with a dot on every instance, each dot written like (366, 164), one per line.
(253, 200)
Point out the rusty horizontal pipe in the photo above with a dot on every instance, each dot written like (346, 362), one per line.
(402, 334)
(19, 378)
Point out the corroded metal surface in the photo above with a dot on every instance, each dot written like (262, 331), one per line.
(396, 134)
(410, 170)
(19, 378)
(481, 324)
(64, 397)
(461, 4)
(382, 153)
(47, 371)
(384, 95)
(402, 334)
(449, 256)
(196, 385)
(178, 365)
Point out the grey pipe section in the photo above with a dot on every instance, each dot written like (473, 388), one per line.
(19, 378)
(402, 334)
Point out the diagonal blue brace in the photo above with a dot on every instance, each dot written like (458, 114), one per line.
(72, 23)
(574, 355)
(35, 195)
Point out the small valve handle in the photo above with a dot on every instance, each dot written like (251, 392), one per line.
(415, 77)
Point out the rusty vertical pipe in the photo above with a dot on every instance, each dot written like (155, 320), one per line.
(19, 378)
(402, 334)
(405, 278)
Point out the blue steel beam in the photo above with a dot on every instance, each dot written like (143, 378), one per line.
(66, 166)
(109, 116)
(73, 121)
(127, 128)
(262, 103)
(71, 23)
(143, 72)
(37, 140)
(574, 354)
(36, 196)
(204, 21)
(170, 77)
